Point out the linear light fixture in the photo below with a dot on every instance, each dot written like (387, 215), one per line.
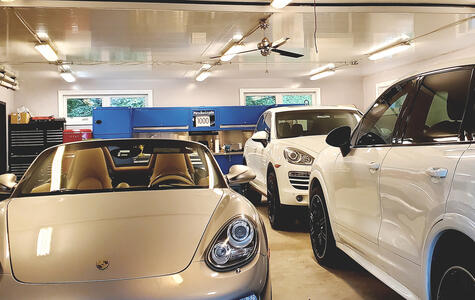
(47, 51)
(68, 76)
(231, 52)
(390, 51)
(322, 68)
(206, 67)
(322, 74)
(280, 3)
(202, 75)
(323, 71)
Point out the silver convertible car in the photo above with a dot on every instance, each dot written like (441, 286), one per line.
(131, 219)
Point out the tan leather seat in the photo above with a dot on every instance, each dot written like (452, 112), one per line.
(44, 188)
(171, 167)
(89, 171)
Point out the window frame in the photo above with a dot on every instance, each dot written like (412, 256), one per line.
(408, 111)
(105, 95)
(397, 132)
(279, 92)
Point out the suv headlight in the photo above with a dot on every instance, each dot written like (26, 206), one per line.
(297, 157)
(234, 245)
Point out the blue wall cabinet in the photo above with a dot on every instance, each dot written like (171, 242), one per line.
(112, 122)
(161, 119)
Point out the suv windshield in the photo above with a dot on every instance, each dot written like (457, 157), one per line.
(313, 122)
(120, 165)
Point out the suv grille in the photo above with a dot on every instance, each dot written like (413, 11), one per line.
(299, 180)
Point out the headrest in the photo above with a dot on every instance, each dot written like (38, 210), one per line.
(455, 108)
(170, 164)
(297, 130)
(89, 171)
(284, 129)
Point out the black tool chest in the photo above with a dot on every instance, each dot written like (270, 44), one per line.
(26, 141)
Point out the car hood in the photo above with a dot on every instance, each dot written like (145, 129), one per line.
(70, 238)
(313, 145)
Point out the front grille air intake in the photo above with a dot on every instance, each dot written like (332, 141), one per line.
(299, 179)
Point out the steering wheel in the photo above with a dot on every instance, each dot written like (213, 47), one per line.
(171, 178)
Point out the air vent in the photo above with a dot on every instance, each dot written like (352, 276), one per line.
(299, 180)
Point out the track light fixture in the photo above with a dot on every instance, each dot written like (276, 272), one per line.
(324, 71)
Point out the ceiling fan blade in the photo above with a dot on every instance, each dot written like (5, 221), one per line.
(287, 53)
(237, 53)
(279, 42)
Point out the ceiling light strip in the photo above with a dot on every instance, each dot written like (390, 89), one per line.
(278, 4)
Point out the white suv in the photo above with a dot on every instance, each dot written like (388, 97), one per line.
(282, 150)
(399, 194)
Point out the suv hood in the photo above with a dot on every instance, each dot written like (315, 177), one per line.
(313, 144)
(135, 234)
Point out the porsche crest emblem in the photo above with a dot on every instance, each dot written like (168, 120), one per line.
(102, 264)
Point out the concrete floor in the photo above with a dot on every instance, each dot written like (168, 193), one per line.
(297, 275)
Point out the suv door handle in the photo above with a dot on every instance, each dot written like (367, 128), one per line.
(373, 167)
(437, 172)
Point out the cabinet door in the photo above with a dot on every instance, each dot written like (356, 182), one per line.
(162, 117)
(240, 117)
(112, 121)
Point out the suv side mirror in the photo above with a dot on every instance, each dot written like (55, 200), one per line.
(261, 137)
(7, 184)
(340, 137)
(240, 174)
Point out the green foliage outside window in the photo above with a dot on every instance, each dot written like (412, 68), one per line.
(82, 107)
(128, 102)
(297, 99)
(260, 100)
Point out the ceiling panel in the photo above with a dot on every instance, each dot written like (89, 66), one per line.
(152, 43)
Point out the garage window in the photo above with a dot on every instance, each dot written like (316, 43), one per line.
(77, 106)
(280, 96)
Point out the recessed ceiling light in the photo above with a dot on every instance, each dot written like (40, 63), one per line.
(8, 0)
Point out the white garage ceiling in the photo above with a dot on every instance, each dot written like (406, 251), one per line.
(150, 40)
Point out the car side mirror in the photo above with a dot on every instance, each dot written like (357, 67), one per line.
(7, 184)
(261, 137)
(340, 137)
(240, 174)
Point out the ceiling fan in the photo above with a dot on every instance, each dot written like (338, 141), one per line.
(265, 46)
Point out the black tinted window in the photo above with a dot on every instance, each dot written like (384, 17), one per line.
(260, 124)
(438, 109)
(378, 124)
(313, 122)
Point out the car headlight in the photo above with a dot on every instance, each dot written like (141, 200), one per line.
(234, 245)
(297, 157)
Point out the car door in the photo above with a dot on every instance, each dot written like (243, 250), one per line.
(260, 153)
(356, 206)
(416, 175)
(252, 150)
(264, 154)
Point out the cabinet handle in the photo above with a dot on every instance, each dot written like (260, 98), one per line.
(98, 122)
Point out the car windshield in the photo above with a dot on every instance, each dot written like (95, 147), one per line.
(313, 122)
(120, 165)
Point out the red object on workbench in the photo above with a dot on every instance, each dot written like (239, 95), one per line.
(75, 135)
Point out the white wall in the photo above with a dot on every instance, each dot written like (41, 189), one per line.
(40, 95)
(7, 96)
(461, 57)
